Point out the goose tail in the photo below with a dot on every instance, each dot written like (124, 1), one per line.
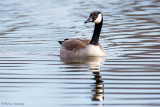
(60, 42)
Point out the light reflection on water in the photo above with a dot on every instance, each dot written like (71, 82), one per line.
(32, 73)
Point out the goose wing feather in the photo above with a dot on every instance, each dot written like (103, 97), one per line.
(75, 44)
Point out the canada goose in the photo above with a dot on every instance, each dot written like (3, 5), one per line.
(83, 47)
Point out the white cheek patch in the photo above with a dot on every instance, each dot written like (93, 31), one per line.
(99, 19)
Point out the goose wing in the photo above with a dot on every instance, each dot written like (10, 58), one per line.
(75, 44)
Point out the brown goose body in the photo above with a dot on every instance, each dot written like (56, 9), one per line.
(79, 48)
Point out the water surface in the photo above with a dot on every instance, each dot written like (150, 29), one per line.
(32, 73)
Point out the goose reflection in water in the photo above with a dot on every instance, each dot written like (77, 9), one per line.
(94, 66)
(98, 90)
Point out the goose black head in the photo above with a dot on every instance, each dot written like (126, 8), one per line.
(95, 16)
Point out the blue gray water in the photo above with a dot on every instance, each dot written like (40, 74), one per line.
(33, 75)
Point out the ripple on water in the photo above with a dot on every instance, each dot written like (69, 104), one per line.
(32, 73)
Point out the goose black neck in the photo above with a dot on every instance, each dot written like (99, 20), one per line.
(96, 33)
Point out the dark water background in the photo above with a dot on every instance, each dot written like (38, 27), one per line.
(33, 75)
